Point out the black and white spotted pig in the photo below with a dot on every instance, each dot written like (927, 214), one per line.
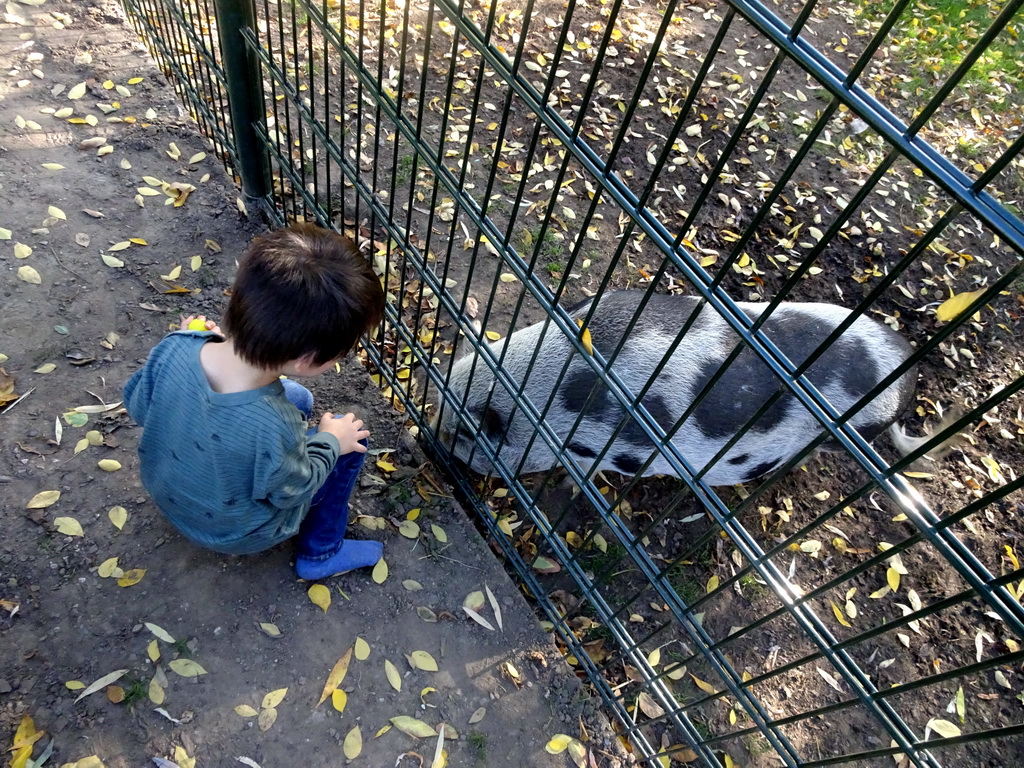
(860, 358)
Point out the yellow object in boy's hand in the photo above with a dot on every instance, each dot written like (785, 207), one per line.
(197, 325)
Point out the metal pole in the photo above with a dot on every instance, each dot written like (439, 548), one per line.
(245, 99)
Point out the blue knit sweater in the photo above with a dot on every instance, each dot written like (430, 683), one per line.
(233, 472)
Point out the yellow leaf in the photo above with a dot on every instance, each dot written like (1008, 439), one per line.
(266, 719)
(186, 667)
(339, 699)
(68, 526)
(196, 262)
(393, 676)
(173, 274)
(362, 649)
(270, 629)
(108, 84)
(353, 744)
(56, 213)
(706, 687)
(387, 466)
(159, 632)
(24, 739)
(107, 569)
(508, 277)
(132, 577)
(439, 533)
(244, 710)
(156, 692)
(108, 465)
(274, 698)
(118, 516)
(135, 80)
(424, 661)
(413, 727)
(321, 596)
(893, 577)
(380, 571)
(111, 261)
(81, 445)
(839, 615)
(94, 437)
(22, 251)
(29, 275)
(944, 728)
(45, 368)
(337, 675)
(557, 744)
(712, 584)
(182, 759)
(74, 685)
(53, 166)
(77, 91)
(153, 651)
(197, 157)
(43, 499)
(954, 305)
(492, 335)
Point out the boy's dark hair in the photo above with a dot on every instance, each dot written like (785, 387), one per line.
(301, 291)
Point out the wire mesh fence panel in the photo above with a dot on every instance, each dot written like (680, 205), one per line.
(666, 284)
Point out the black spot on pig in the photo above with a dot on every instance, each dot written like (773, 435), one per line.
(582, 450)
(576, 392)
(748, 383)
(627, 464)
(741, 459)
(491, 423)
(761, 469)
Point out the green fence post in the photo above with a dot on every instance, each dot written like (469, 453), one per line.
(245, 98)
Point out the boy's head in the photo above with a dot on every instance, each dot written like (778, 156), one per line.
(301, 292)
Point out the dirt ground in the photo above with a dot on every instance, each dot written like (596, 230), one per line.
(73, 327)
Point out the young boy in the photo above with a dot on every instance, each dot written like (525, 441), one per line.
(224, 450)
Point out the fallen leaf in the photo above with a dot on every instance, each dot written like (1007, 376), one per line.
(43, 499)
(353, 744)
(274, 698)
(393, 676)
(320, 596)
(156, 692)
(102, 683)
(956, 304)
(56, 213)
(362, 649)
(339, 699)
(29, 275)
(118, 516)
(244, 710)
(77, 91)
(413, 727)
(68, 526)
(160, 632)
(269, 629)
(186, 667)
(108, 465)
(380, 571)
(477, 715)
(423, 660)
(107, 568)
(557, 744)
(267, 718)
(132, 577)
(336, 677)
(944, 728)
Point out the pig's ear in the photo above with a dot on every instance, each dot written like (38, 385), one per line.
(491, 423)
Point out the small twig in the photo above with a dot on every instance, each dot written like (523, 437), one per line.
(5, 410)
(63, 266)
(444, 557)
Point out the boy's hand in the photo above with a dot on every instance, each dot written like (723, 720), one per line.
(208, 325)
(348, 429)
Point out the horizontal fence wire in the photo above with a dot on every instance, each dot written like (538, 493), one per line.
(504, 161)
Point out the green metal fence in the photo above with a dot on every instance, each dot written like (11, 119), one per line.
(501, 162)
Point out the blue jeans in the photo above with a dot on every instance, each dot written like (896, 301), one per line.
(323, 530)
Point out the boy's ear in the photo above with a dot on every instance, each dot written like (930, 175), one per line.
(305, 364)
